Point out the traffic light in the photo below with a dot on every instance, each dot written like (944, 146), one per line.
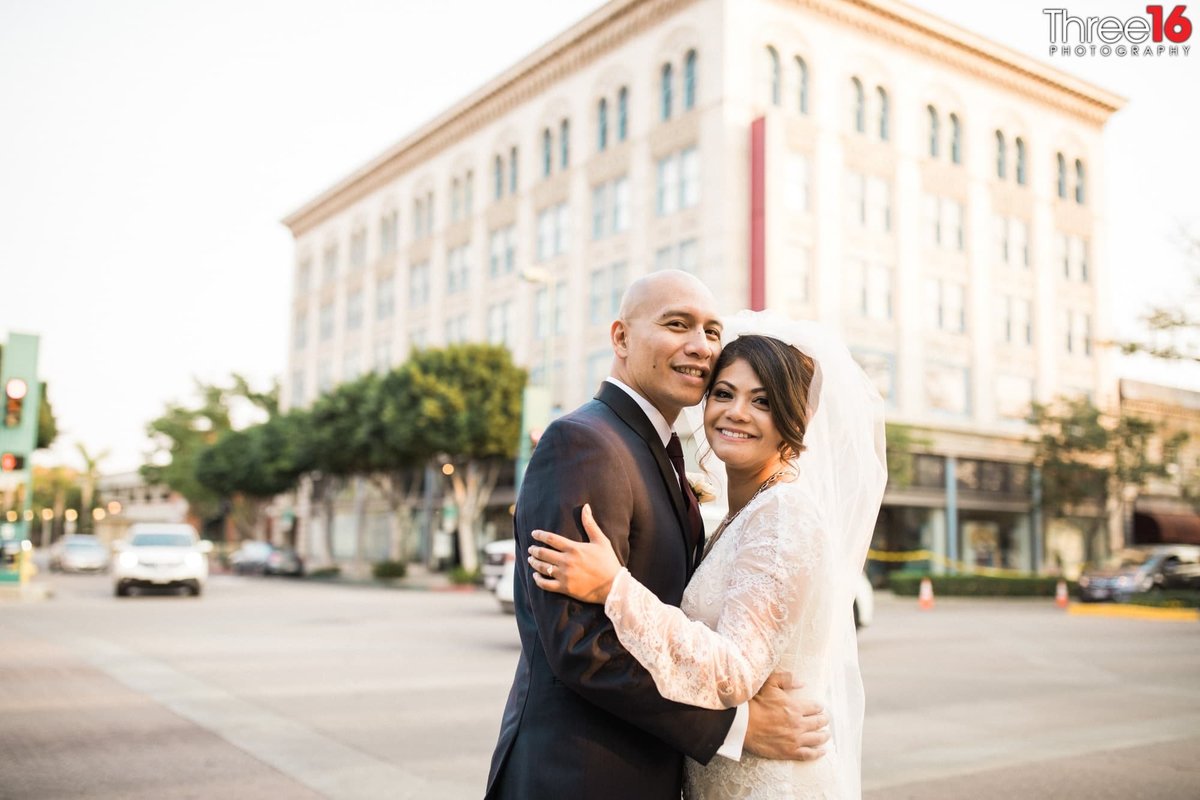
(14, 398)
(11, 462)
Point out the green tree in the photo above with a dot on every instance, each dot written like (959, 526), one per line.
(1173, 330)
(56, 489)
(47, 429)
(411, 416)
(484, 433)
(183, 432)
(902, 442)
(249, 467)
(1087, 456)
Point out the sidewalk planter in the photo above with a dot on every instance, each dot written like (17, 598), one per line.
(908, 584)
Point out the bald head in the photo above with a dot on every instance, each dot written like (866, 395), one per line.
(647, 293)
(666, 339)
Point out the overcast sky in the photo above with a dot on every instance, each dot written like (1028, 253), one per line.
(148, 150)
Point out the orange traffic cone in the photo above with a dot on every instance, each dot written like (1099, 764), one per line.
(1060, 595)
(925, 597)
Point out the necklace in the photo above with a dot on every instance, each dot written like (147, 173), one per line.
(732, 515)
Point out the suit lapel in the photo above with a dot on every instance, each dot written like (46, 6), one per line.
(632, 415)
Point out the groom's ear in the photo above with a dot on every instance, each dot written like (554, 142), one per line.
(619, 334)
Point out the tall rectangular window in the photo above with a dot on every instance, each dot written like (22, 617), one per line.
(689, 187)
(458, 269)
(385, 298)
(856, 199)
(303, 276)
(354, 310)
(599, 211)
(418, 285)
(299, 330)
(512, 171)
(358, 249)
(329, 264)
(553, 231)
(325, 322)
(948, 303)
(502, 251)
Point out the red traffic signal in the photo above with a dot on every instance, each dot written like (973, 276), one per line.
(11, 462)
(15, 390)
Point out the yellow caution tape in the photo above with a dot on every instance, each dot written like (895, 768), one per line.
(958, 566)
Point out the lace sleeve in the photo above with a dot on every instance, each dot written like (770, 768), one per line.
(779, 553)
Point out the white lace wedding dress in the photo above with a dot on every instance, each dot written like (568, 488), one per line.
(762, 600)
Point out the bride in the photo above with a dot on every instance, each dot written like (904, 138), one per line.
(798, 429)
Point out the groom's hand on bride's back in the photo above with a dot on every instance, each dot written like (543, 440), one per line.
(784, 727)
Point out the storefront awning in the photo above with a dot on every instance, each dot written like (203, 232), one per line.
(1152, 527)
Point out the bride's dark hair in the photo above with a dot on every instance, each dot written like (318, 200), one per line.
(786, 375)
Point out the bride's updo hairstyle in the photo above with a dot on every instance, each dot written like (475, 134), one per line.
(786, 375)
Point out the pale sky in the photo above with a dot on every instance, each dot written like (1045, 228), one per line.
(148, 150)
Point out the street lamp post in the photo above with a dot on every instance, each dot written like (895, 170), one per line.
(536, 399)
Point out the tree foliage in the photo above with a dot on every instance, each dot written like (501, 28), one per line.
(182, 434)
(1173, 330)
(1087, 455)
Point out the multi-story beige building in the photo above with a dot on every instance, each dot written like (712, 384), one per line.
(933, 195)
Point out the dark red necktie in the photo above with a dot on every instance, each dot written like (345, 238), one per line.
(695, 523)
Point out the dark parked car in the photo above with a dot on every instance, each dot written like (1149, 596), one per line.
(284, 561)
(1144, 568)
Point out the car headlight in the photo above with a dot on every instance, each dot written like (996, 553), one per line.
(194, 560)
(129, 559)
(1123, 581)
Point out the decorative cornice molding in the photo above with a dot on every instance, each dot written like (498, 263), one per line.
(617, 22)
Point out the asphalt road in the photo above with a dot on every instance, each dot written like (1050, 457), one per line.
(281, 689)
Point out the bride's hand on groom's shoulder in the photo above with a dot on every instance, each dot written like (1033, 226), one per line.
(583, 570)
(783, 726)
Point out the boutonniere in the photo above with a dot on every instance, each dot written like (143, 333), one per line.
(701, 487)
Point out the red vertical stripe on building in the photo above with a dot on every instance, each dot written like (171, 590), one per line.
(758, 214)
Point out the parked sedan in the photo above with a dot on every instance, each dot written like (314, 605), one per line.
(284, 561)
(78, 553)
(250, 558)
(1141, 569)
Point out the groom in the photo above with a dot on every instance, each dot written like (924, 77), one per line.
(583, 718)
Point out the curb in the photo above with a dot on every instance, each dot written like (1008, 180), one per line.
(1134, 612)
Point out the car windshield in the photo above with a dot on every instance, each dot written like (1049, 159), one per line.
(1126, 559)
(161, 540)
(256, 548)
(84, 546)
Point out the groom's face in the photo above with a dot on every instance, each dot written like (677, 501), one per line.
(668, 344)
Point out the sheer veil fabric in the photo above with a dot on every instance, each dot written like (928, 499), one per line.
(844, 469)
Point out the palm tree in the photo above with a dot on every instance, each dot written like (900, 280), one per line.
(88, 478)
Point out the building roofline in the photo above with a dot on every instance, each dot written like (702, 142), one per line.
(616, 21)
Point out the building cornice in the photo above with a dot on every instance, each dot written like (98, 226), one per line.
(620, 20)
(924, 33)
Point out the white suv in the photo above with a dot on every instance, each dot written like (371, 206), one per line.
(161, 554)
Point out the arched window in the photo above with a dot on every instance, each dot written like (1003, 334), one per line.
(884, 112)
(689, 80)
(955, 139)
(859, 117)
(1062, 177)
(934, 132)
(1080, 184)
(622, 113)
(547, 157)
(1001, 156)
(512, 171)
(564, 143)
(498, 177)
(773, 78)
(1021, 164)
(602, 124)
(665, 93)
(802, 83)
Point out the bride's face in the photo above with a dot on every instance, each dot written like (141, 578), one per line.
(737, 420)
